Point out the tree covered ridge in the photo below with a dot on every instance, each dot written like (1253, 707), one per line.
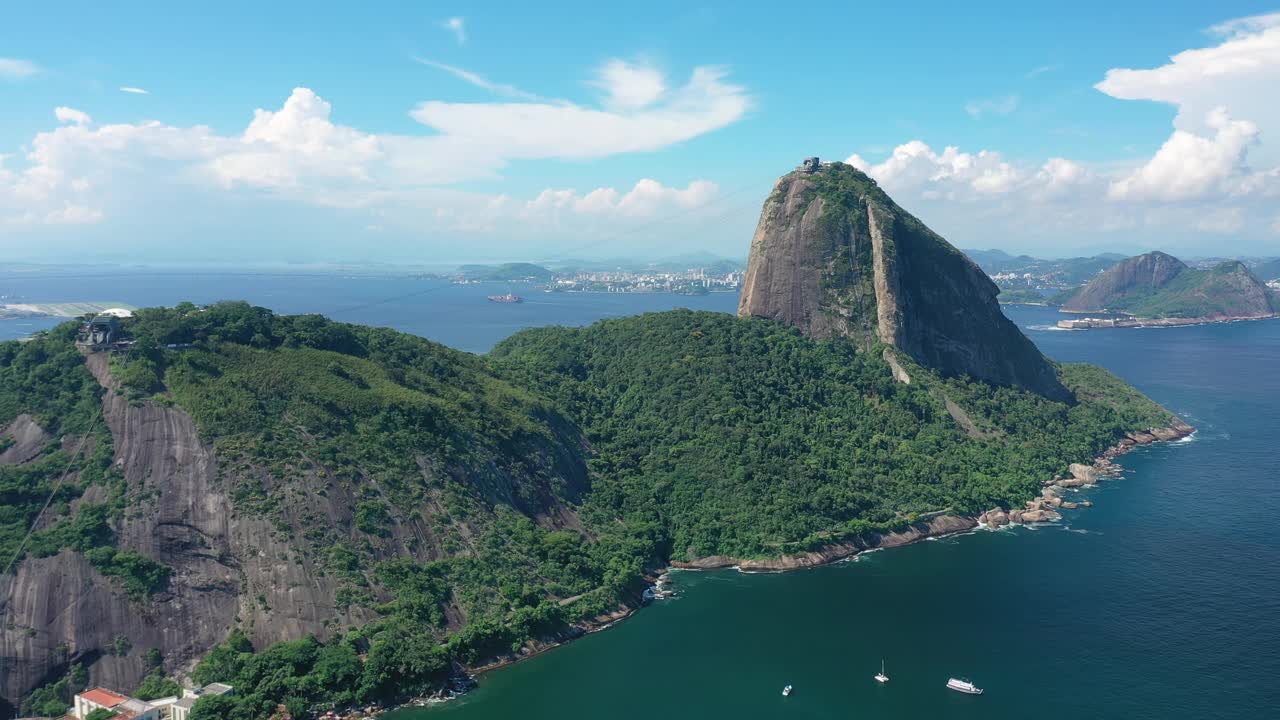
(742, 437)
(550, 473)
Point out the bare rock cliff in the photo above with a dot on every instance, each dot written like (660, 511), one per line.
(61, 610)
(228, 569)
(231, 567)
(1142, 274)
(835, 256)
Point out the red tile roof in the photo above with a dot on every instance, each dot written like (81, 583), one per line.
(103, 697)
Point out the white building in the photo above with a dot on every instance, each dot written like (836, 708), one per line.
(127, 708)
(181, 708)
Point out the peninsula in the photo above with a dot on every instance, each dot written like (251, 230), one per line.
(323, 515)
(1158, 289)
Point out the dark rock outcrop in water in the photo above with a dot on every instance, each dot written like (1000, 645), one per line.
(1158, 285)
(834, 255)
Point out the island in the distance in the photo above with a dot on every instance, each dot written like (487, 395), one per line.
(1157, 289)
(327, 516)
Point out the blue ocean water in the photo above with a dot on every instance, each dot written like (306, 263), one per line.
(456, 315)
(1162, 601)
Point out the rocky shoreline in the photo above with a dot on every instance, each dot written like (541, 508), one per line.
(1044, 508)
(936, 526)
(569, 634)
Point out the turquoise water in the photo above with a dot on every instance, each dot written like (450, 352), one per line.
(1162, 601)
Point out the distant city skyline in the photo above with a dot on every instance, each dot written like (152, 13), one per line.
(479, 132)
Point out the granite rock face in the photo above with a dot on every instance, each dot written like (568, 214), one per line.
(231, 568)
(835, 256)
(61, 610)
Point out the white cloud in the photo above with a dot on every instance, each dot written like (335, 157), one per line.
(977, 197)
(649, 198)
(628, 86)
(992, 106)
(1245, 25)
(134, 90)
(81, 172)
(1236, 74)
(71, 115)
(566, 130)
(1189, 166)
(479, 80)
(296, 145)
(457, 26)
(15, 68)
(951, 174)
(1214, 174)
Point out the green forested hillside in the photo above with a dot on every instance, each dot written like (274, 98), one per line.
(473, 503)
(744, 438)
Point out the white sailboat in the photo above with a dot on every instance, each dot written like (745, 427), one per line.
(880, 676)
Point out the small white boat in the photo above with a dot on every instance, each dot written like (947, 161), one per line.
(880, 676)
(964, 686)
(786, 691)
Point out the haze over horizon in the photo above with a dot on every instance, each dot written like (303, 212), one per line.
(467, 133)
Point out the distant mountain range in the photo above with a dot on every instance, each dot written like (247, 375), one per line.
(1059, 272)
(507, 272)
(547, 271)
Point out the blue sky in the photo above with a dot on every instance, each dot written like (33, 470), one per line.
(441, 132)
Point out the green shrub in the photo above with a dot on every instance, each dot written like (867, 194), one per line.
(141, 575)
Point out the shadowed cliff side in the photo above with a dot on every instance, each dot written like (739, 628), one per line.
(834, 255)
